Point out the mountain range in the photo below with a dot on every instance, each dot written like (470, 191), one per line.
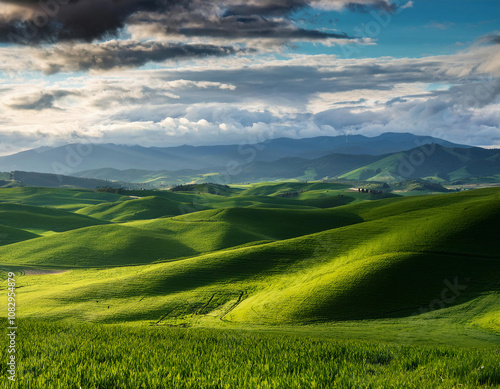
(73, 158)
(433, 163)
(386, 158)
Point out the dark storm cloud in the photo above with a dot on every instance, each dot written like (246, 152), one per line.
(55, 20)
(266, 8)
(31, 21)
(257, 27)
(119, 54)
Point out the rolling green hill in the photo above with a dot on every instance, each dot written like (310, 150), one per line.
(150, 207)
(295, 195)
(276, 189)
(379, 260)
(54, 197)
(210, 188)
(9, 235)
(266, 278)
(33, 218)
(166, 239)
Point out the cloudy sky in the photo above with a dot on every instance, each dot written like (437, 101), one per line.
(172, 72)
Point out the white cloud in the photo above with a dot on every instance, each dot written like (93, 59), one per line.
(232, 99)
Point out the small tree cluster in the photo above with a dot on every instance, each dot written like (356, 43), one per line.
(370, 191)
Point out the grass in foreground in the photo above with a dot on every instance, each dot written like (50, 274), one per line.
(66, 356)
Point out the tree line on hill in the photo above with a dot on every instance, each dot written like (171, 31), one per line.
(209, 187)
(370, 191)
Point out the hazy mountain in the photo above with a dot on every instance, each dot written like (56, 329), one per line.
(330, 166)
(387, 143)
(286, 168)
(431, 162)
(80, 157)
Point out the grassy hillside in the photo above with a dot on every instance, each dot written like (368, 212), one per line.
(98, 246)
(167, 239)
(314, 194)
(9, 235)
(33, 218)
(273, 266)
(150, 207)
(381, 276)
(211, 188)
(268, 287)
(275, 189)
(295, 195)
(261, 223)
(54, 197)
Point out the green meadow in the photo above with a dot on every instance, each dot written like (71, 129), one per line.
(269, 285)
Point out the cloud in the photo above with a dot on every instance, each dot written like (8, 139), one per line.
(68, 20)
(43, 102)
(121, 54)
(407, 5)
(31, 21)
(77, 35)
(395, 101)
(439, 25)
(38, 102)
(252, 27)
(493, 38)
(230, 99)
(236, 80)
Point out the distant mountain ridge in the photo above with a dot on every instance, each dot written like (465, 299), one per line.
(433, 163)
(73, 158)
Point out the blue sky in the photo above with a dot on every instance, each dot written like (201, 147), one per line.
(220, 72)
(427, 28)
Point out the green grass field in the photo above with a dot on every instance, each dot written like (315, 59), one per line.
(254, 288)
(95, 356)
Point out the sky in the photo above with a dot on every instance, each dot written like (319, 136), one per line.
(203, 72)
